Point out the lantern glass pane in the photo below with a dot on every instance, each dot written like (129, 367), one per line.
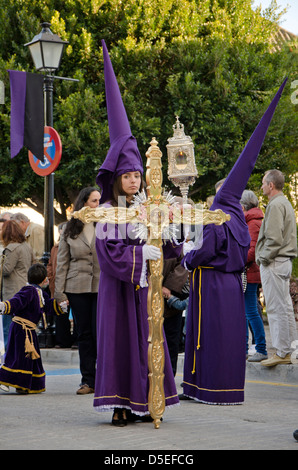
(181, 160)
(36, 55)
(52, 53)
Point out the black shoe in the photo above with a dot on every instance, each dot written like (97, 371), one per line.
(119, 417)
(184, 397)
(21, 391)
(295, 434)
(133, 418)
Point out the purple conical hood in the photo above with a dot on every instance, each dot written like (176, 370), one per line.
(228, 196)
(123, 155)
(117, 117)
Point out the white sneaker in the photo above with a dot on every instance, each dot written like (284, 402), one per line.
(257, 357)
(294, 357)
(252, 350)
(4, 388)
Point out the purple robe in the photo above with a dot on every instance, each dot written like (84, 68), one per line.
(215, 354)
(18, 370)
(122, 325)
(215, 351)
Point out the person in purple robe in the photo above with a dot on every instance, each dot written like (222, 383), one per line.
(215, 349)
(122, 382)
(22, 367)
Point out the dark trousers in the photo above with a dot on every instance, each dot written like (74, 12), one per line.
(172, 328)
(84, 307)
(63, 335)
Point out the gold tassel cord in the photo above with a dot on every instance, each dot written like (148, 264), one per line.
(28, 326)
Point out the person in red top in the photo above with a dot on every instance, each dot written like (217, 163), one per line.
(253, 217)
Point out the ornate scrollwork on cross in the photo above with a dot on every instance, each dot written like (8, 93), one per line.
(155, 302)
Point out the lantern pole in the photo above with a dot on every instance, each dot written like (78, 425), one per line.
(46, 50)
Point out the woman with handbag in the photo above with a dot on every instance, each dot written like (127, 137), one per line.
(77, 277)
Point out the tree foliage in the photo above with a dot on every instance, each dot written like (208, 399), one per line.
(209, 61)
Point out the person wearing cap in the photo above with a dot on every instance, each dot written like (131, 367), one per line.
(122, 382)
(215, 349)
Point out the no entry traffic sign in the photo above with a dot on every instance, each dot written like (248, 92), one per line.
(52, 153)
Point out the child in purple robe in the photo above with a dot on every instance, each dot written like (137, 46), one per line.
(22, 368)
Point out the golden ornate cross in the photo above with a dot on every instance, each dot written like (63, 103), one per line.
(156, 213)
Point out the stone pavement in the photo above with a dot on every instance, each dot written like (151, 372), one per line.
(60, 419)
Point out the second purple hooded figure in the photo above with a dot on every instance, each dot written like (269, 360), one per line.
(215, 350)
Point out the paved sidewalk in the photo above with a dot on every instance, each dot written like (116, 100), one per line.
(60, 419)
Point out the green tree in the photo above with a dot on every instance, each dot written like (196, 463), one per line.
(209, 61)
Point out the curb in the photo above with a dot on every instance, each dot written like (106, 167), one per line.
(286, 373)
(54, 356)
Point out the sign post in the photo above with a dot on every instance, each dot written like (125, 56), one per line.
(52, 157)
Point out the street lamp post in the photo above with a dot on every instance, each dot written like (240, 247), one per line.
(48, 179)
(46, 50)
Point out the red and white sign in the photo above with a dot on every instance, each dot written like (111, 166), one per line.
(52, 153)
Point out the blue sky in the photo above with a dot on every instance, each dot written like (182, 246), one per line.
(290, 19)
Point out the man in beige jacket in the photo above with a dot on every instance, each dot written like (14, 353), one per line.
(34, 234)
(276, 248)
